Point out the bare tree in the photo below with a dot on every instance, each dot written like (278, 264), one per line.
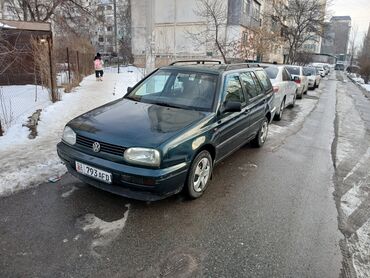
(364, 59)
(352, 42)
(303, 21)
(214, 13)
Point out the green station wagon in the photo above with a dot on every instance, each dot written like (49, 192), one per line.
(167, 133)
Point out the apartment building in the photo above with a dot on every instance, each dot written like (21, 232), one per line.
(166, 29)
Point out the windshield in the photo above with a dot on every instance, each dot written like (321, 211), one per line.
(293, 70)
(272, 72)
(181, 89)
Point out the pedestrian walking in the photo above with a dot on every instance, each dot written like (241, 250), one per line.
(98, 65)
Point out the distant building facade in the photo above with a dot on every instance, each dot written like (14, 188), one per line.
(336, 37)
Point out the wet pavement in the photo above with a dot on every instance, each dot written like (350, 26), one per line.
(268, 212)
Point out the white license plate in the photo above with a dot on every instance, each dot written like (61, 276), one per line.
(93, 172)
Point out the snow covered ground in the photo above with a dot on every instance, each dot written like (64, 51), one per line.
(26, 162)
(20, 101)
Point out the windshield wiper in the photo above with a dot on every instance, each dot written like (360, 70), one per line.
(165, 104)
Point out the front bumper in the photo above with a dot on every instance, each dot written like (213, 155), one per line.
(126, 179)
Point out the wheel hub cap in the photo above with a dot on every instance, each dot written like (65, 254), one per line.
(201, 175)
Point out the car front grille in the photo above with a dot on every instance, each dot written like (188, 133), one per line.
(104, 147)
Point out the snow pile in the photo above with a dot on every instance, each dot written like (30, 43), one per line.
(27, 162)
(366, 87)
(3, 25)
(358, 80)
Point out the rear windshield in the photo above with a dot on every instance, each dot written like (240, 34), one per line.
(272, 72)
(311, 71)
(293, 70)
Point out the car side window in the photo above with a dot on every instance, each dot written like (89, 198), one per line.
(233, 89)
(265, 81)
(286, 75)
(251, 84)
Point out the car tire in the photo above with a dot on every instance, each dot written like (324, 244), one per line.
(261, 135)
(294, 99)
(199, 175)
(279, 116)
(300, 96)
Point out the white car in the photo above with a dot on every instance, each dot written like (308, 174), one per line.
(285, 90)
(321, 71)
(298, 76)
(313, 77)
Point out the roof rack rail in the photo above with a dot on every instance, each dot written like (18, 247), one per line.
(241, 65)
(196, 61)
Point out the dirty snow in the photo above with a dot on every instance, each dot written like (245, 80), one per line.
(359, 244)
(348, 137)
(366, 87)
(20, 101)
(26, 162)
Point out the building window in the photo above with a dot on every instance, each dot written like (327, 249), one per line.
(256, 10)
(109, 8)
(246, 6)
(101, 39)
(109, 28)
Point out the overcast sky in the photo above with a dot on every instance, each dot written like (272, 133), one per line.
(358, 10)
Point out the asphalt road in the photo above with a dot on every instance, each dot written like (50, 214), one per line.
(269, 212)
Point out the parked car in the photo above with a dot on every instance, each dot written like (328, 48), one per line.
(313, 77)
(320, 70)
(298, 75)
(339, 67)
(285, 89)
(167, 133)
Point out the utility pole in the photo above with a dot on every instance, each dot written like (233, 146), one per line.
(115, 30)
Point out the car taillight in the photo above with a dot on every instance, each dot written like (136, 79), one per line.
(276, 89)
(298, 81)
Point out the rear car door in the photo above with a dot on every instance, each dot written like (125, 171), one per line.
(256, 101)
(231, 125)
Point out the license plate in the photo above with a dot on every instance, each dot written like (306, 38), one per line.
(93, 172)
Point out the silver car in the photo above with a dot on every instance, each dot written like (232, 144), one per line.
(313, 76)
(285, 90)
(298, 75)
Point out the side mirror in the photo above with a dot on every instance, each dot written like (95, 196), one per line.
(295, 78)
(129, 89)
(232, 106)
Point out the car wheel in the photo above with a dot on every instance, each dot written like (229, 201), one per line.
(199, 175)
(261, 136)
(279, 116)
(300, 96)
(293, 102)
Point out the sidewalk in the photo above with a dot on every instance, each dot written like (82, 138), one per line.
(27, 162)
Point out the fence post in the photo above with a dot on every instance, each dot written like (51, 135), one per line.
(54, 94)
(69, 68)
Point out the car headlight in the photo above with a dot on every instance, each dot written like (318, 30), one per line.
(69, 136)
(143, 156)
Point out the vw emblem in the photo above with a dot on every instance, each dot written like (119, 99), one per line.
(96, 147)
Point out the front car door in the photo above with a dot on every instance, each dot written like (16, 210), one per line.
(231, 126)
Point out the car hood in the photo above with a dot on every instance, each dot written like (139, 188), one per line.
(128, 123)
